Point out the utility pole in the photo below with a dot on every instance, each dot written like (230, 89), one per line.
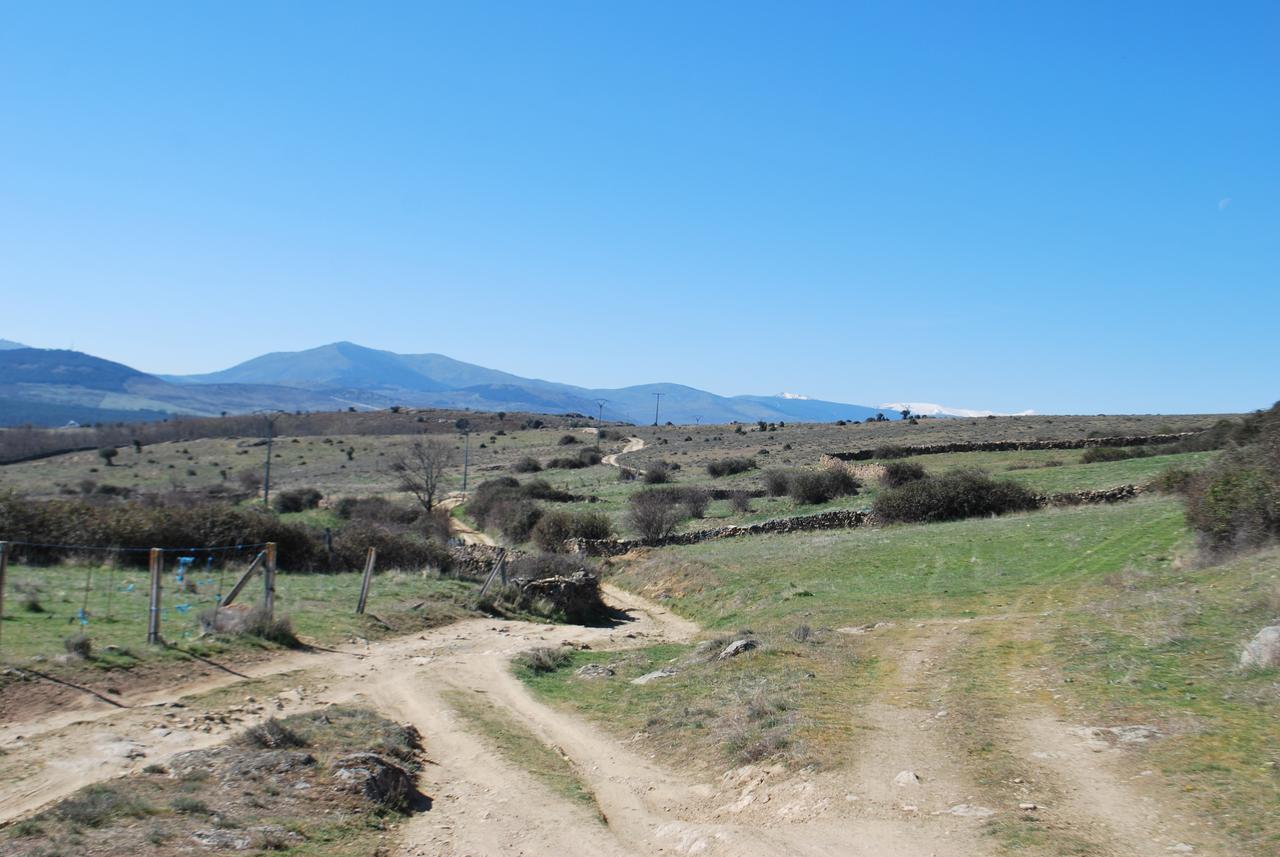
(697, 420)
(657, 400)
(271, 417)
(600, 417)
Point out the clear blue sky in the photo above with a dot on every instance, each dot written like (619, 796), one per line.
(1072, 207)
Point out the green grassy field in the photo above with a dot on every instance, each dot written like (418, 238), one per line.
(321, 608)
(1103, 612)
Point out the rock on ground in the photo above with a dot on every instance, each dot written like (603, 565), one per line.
(374, 777)
(736, 648)
(1263, 651)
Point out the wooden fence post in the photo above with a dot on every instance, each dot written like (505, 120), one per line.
(244, 578)
(153, 617)
(369, 560)
(269, 581)
(4, 568)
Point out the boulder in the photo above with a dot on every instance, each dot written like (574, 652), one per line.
(665, 672)
(594, 671)
(1263, 651)
(375, 778)
(737, 647)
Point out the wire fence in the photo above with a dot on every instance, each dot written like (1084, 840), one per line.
(103, 591)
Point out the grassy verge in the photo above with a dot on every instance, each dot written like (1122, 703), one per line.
(522, 748)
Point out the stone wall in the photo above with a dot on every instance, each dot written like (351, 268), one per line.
(1020, 445)
(836, 519)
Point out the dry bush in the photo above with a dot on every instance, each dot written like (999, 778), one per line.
(543, 660)
(952, 496)
(730, 466)
(654, 514)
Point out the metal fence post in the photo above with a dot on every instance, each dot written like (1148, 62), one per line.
(153, 617)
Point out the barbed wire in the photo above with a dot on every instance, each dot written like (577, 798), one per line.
(120, 549)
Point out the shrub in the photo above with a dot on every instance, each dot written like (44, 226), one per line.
(1173, 480)
(515, 518)
(1094, 454)
(820, 486)
(590, 456)
(593, 526)
(543, 660)
(695, 501)
(657, 473)
(566, 440)
(297, 500)
(551, 531)
(79, 645)
(952, 496)
(565, 464)
(528, 464)
(654, 514)
(730, 466)
(271, 734)
(541, 489)
(94, 806)
(776, 482)
(1235, 502)
(888, 451)
(898, 473)
(740, 501)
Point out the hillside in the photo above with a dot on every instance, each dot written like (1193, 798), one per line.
(434, 380)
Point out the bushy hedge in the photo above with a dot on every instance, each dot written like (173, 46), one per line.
(1235, 501)
(952, 496)
(811, 486)
(898, 473)
(201, 525)
(297, 500)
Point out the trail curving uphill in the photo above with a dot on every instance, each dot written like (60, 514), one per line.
(634, 444)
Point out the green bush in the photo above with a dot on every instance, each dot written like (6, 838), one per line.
(1235, 501)
(898, 473)
(297, 500)
(1095, 454)
(820, 486)
(528, 464)
(952, 496)
(551, 531)
(730, 466)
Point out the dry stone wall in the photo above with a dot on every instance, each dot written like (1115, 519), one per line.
(1020, 445)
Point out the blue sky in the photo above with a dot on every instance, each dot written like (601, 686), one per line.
(1071, 207)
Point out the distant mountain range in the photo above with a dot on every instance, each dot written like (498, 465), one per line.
(52, 387)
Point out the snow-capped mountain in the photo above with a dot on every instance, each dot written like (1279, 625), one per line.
(933, 409)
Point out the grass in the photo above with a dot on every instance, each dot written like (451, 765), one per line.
(1100, 615)
(523, 749)
(321, 608)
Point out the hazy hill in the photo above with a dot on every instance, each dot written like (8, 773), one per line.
(49, 387)
(434, 380)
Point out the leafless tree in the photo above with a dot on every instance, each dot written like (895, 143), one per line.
(421, 470)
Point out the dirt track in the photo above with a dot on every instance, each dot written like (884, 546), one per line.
(484, 805)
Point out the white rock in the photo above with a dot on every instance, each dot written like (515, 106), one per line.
(906, 778)
(1263, 651)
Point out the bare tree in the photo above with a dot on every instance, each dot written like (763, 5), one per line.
(421, 470)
